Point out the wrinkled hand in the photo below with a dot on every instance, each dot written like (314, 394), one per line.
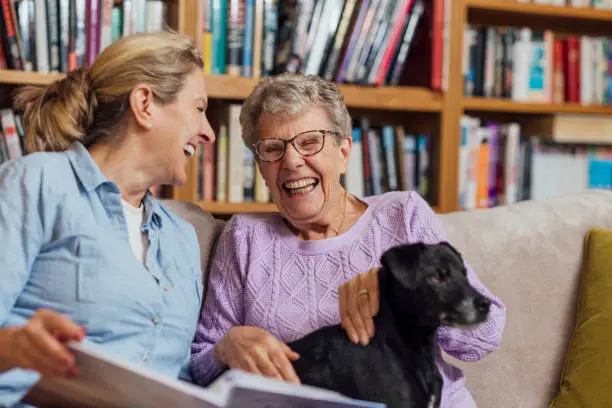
(357, 309)
(39, 345)
(255, 350)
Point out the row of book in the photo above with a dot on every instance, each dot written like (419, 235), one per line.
(387, 158)
(352, 41)
(383, 158)
(526, 65)
(11, 135)
(226, 168)
(499, 165)
(596, 4)
(61, 35)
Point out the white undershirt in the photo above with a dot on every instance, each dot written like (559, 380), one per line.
(134, 217)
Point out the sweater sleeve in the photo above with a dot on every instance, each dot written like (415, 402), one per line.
(224, 304)
(463, 344)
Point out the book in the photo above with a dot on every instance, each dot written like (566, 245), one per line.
(107, 381)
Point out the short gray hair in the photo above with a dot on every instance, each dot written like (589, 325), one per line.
(288, 94)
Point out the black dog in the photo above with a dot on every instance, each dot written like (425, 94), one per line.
(421, 288)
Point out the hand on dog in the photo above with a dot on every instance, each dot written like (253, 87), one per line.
(255, 350)
(357, 310)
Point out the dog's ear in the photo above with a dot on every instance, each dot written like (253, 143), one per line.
(452, 249)
(402, 263)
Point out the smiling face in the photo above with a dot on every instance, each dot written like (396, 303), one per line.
(307, 190)
(177, 128)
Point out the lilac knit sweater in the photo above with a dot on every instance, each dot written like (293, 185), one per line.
(263, 275)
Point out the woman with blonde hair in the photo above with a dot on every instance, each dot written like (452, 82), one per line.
(276, 277)
(88, 253)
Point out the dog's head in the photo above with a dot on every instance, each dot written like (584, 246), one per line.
(429, 283)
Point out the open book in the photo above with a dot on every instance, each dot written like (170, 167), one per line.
(106, 381)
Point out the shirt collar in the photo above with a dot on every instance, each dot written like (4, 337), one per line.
(152, 210)
(86, 169)
(91, 177)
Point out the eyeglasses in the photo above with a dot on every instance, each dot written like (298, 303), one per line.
(306, 144)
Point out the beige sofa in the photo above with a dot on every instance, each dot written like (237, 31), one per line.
(529, 254)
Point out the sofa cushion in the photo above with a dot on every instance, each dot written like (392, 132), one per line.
(587, 374)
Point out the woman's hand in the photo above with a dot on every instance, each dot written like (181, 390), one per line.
(359, 304)
(39, 345)
(255, 350)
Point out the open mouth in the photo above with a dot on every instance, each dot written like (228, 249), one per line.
(462, 320)
(189, 150)
(300, 187)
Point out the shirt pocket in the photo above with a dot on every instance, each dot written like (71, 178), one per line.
(188, 287)
(90, 289)
(187, 279)
(62, 272)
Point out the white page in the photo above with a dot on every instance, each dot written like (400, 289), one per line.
(243, 389)
(107, 381)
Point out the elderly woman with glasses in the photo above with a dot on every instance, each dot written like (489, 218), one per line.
(277, 277)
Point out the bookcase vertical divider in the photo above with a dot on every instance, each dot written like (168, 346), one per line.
(447, 183)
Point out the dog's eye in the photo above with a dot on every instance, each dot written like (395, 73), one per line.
(433, 279)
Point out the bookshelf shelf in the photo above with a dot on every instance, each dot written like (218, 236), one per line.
(583, 20)
(509, 106)
(541, 10)
(385, 97)
(392, 98)
(231, 87)
(217, 207)
(225, 208)
(27, 78)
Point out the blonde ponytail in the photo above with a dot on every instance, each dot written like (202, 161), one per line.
(57, 115)
(89, 105)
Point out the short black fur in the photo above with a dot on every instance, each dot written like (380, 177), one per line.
(421, 288)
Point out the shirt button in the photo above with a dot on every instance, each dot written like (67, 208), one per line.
(165, 288)
(155, 320)
(144, 358)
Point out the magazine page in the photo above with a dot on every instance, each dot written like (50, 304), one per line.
(107, 381)
(242, 389)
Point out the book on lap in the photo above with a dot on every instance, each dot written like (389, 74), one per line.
(107, 381)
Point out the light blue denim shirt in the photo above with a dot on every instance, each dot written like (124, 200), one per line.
(64, 245)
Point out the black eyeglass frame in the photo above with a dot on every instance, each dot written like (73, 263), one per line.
(292, 141)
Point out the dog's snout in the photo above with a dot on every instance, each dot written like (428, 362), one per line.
(482, 304)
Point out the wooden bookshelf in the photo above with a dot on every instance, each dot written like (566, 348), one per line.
(565, 19)
(441, 112)
(509, 106)
(238, 88)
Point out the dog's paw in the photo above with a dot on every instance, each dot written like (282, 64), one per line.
(432, 402)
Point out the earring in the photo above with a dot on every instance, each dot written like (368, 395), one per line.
(149, 125)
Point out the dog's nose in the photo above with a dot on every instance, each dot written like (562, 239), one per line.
(482, 304)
